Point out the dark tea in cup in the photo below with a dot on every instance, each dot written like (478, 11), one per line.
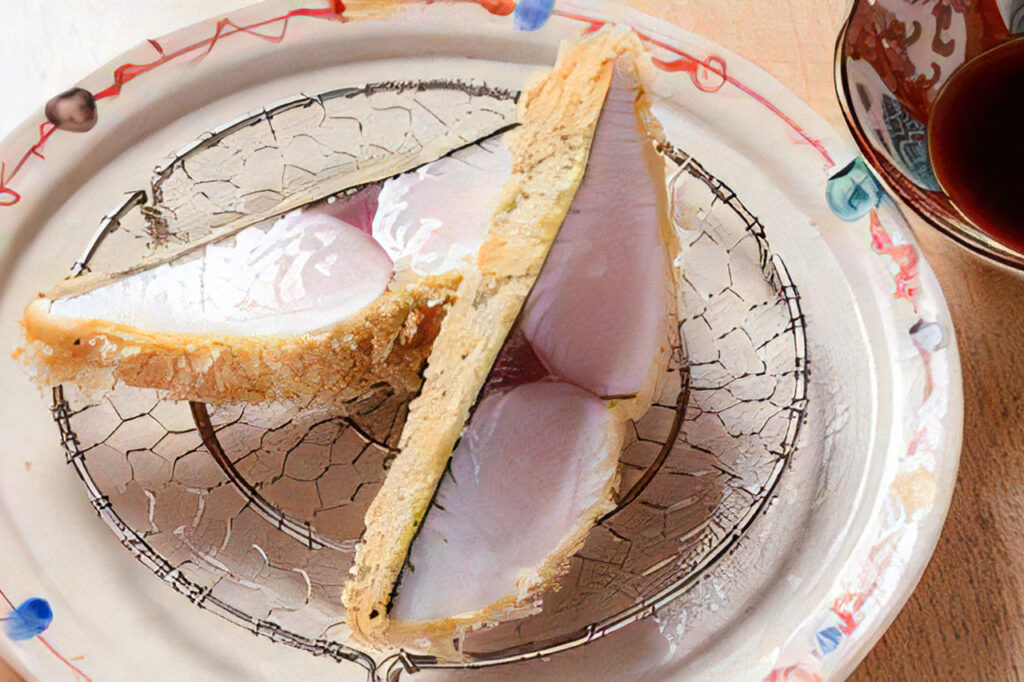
(976, 142)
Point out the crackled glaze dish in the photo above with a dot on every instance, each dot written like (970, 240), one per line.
(807, 440)
(893, 58)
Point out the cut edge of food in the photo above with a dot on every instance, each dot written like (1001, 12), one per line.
(390, 166)
(94, 343)
(630, 242)
(584, 344)
(512, 436)
(387, 341)
(558, 116)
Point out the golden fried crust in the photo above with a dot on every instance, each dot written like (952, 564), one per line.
(442, 637)
(388, 341)
(558, 115)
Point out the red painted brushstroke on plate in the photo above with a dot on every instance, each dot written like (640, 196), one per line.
(128, 72)
(904, 255)
(78, 673)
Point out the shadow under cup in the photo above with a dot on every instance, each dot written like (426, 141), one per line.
(932, 95)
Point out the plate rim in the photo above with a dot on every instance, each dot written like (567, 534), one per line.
(852, 646)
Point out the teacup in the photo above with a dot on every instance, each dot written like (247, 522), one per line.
(893, 58)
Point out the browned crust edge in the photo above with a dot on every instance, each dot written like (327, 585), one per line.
(558, 115)
(388, 341)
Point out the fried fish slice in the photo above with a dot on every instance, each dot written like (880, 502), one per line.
(529, 478)
(321, 304)
(385, 342)
(537, 466)
(558, 116)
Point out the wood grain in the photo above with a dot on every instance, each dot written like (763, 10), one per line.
(7, 673)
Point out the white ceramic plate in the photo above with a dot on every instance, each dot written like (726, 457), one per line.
(828, 484)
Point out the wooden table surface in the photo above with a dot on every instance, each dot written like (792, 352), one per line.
(965, 621)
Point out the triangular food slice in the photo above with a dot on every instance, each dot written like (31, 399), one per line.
(532, 473)
(319, 304)
(537, 466)
(559, 115)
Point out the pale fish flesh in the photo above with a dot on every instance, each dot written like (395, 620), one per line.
(546, 450)
(537, 466)
(325, 276)
(302, 274)
(599, 312)
(558, 113)
(424, 220)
